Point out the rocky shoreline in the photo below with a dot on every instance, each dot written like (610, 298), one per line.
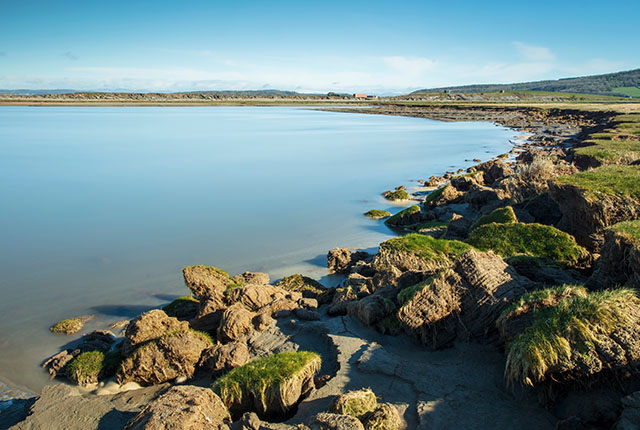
(498, 305)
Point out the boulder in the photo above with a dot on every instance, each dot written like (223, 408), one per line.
(465, 182)
(256, 297)
(341, 300)
(306, 314)
(148, 326)
(493, 170)
(236, 323)
(203, 281)
(210, 313)
(329, 421)
(248, 421)
(183, 407)
(373, 309)
(263, 321)
(221, 358)
(384, 417)
(252, 278)
(354, 403)
(309, 288)
(340, 260)
(55, 364)
(458, 228)
(183, 308)
(173, 355)
(619, 262)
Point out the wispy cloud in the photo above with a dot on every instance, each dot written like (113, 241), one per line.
(69, 56)
(410, 65)
(534, 52)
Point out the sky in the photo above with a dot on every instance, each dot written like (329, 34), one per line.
(377, 47)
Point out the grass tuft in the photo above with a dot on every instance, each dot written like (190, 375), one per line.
(397, 195)
(426, 247)
(405, 212)
(606, 180)
(628, 229)
(89, 367)
(377, 214)
(570, 327)
(504, 215)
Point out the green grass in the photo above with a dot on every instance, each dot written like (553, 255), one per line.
(627, 91)
(405, 212)
(232, 285)
(628, 229)
(504, 215)
(173, 308)
(397, 195)
(568, 328)
(535, 240)
(406, 294)
(606, 180)
(377, 214)
(258, 375)
(303, 284)
(426, 247)
(539, 299)
(619, 151)
(433, 195)
(68, 326)
(89, 367)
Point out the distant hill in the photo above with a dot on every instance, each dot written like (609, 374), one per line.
(253, 93)
(619, 84)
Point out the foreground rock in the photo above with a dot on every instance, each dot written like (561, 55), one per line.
(329, 421)
(183, 407)
(354, 403)
(340, 260)
(148, 326)
(619, 262)
(220, 358)
(173, 355)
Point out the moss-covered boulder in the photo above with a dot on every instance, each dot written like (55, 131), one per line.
(570, 333)
(269, 386)
(619, 262)
(309, 287)
(384, 417)
(183, 407)
(329, 421)
(185, 307)
(534, 240)
(70, 325)
(175, 354)
(408, 216)
(355, 403)
(148, 326)
(204, 281)
(504, 215)
(593, 200)
(377, 214)
(89, 367)
(398, 194)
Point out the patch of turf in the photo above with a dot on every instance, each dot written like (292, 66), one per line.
(628, 229)
(504, 215)
(606, 180)
(89, 367)
(426, 246)
(397, 195)
(433, 195)
(175, 307)
(405, 212)
(569, 327)
(536, 240)
(307, 286)
(377, 214)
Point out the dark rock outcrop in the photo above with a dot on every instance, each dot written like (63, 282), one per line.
(619, 263)
(340, 260)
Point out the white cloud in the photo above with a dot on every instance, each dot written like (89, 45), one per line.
(410, 65)
(534, 52)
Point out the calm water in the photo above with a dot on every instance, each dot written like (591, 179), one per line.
(102, 206)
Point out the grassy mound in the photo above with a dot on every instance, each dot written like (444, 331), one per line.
(403, 213)
(307, 286)
(612, 151)
(433, 195)
(606, 180)
(89, 367)
(568, 328)
(504, 215)
(354, 403)
(377, 214)
(397, 195)
(71, 325)
(535, 240)
(180, 305)
(258, 376)
(628, 229)
(426, 246)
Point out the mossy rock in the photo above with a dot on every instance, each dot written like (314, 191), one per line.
(397, 195)
(567, 324)
(354, 403)
(70, 326)
(91, 366)
(308, 287)
(426, 247)
(384, 417)
(535, 240)
(406, 294)
(377, 214)
(628, 229)
(395, 219)
(181, 307)
(270, 385)
(504, 215)
(433, 195)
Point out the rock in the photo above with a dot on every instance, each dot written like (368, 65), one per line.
(55, 364)
(630, 416)
(263, 321)
(269, 342)
(308, 303)
(14, 411)
(341, 300)
(237, 322)
(480, 196)
(256, 297)
(308, 287)
(209, 313)
(340, 260)
(493, 170)
(204, 281)
(619, 263)
(183, 308)
(97, 340)
(173, 355)
(249, 421)
(269, 386)
(150, 325)
(442, 196)
(306, 314)
(183, 407)
(329, 421)
(373, 309)
(354, 403)
(542, 208)
(71, 325)
(252, 278)
(221, 358)
(458, 228)
(542, 270)
(384, 417)
(465, 182)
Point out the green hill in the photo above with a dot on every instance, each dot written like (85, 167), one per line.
(614, 84)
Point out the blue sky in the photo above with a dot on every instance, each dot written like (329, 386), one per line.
(353, 46)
